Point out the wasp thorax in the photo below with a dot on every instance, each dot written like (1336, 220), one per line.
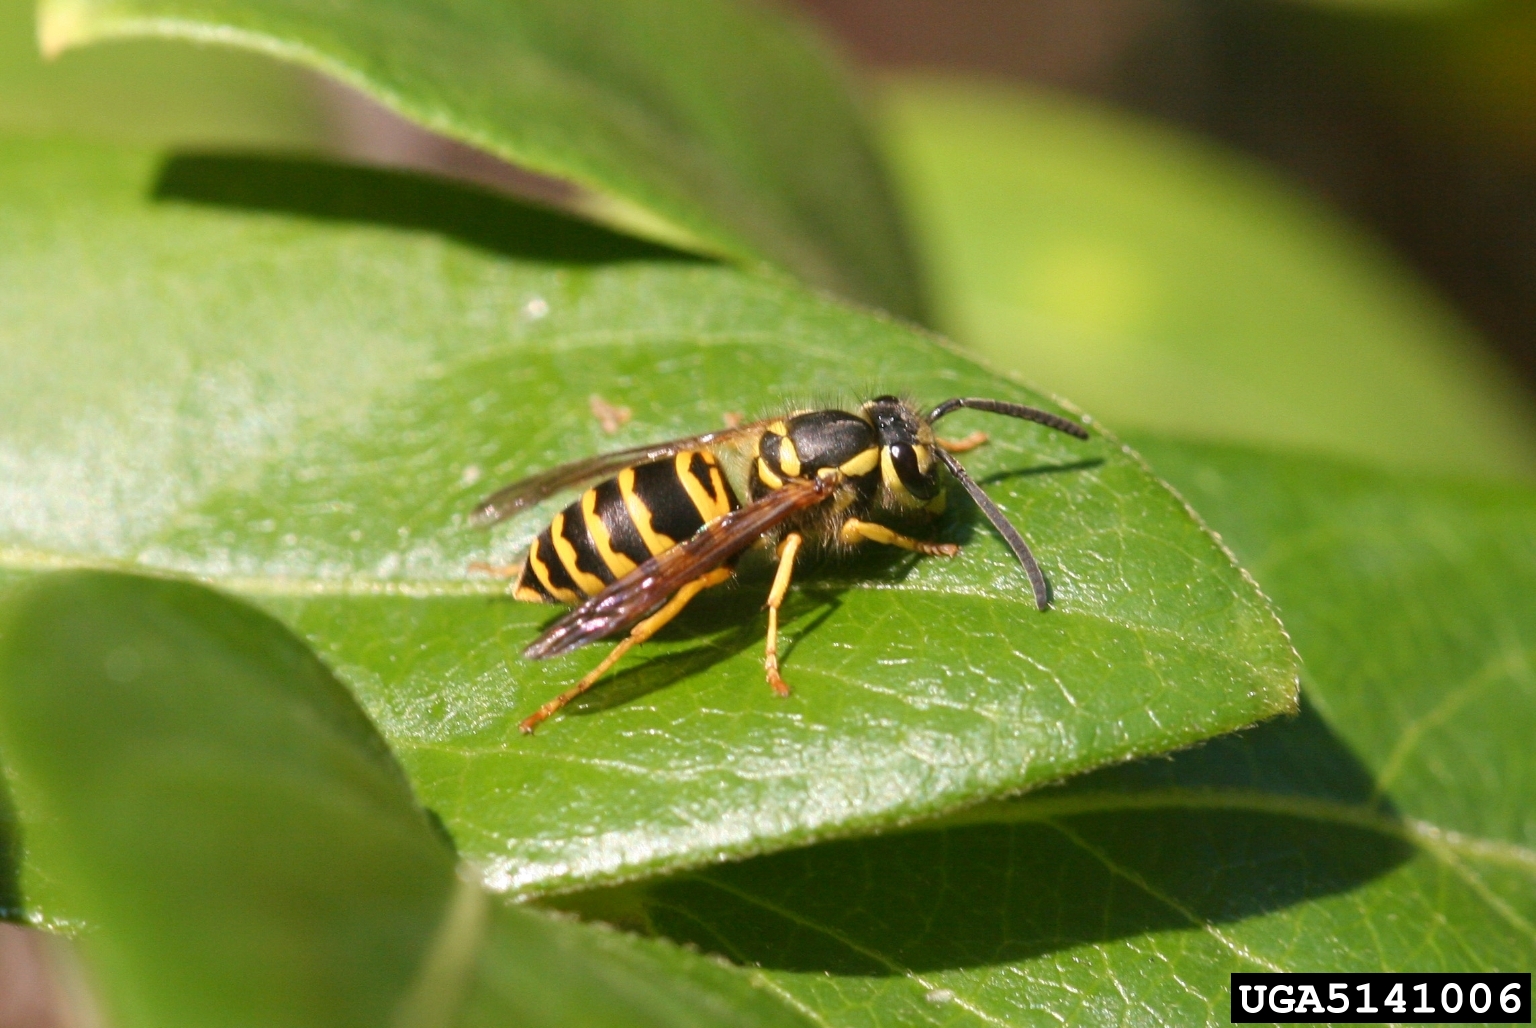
(804, 445)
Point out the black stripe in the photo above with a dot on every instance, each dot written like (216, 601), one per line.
(698, 467)
(672, 511)
(587, 557)
(558, 576)
(529, 580)
(623, 536)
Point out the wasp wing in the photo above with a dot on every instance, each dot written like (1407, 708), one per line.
(526, 492)
(632, 597)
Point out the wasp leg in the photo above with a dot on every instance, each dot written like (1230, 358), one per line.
(787, 551)
(855, 531)
(639, 634)
(970, 442)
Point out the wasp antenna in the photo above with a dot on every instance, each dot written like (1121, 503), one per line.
(1013, 410)
(1002, 524)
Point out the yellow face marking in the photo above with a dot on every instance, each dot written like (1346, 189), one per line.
(924, 457)
(617, 562)
(588, 582)
(889, 476)
(541, 572)
(765, 473)
(789, 457)
(709, 508)
(640, 514)
(861, 463)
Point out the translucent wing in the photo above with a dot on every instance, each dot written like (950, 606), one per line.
(528, 491)
(626, 601)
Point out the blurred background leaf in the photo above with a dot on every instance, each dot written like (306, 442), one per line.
(1386, 826)
(246, 852)
(1171, 286)
(724, 128)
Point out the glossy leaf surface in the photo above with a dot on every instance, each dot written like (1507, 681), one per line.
(218, 810)
(1387, 826)
(1170, 285)
(722, 126)
(295, 381)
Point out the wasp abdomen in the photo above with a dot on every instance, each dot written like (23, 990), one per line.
(620, 523)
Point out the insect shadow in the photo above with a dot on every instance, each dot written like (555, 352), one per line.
(1099, 865)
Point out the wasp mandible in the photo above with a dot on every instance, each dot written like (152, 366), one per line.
(638, 546)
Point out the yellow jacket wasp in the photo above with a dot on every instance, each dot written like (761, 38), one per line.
(638, 546)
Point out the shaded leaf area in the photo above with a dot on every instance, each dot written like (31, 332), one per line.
(153, 91)
(725, 127)
(1166, 284)
(1386, 826)
(295, 380)
(246, 852)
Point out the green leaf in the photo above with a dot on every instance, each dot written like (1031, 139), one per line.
(1388, 826)
(294, 380)
(1169, 285)
(154, 91)
(214, 805)
(726, 128)
(221, 813)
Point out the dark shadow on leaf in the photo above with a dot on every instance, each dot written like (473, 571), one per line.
(1026, 885)
(740, 604)
(1041, 469)
(328, 191)
(742, 607)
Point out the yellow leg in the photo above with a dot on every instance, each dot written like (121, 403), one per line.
(970, 442)
(787, 550)
(639, 634)
(855, 531)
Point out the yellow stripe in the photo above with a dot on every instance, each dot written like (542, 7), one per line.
(888, 473)
(537, 563)
(765, 473)
(585, 580)
(789, 457)
(709, 509)
(862, 463)
(528, 594)
(617, 562)
(718, 481)
(640, 514)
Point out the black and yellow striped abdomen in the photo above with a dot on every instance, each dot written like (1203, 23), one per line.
(619, 523)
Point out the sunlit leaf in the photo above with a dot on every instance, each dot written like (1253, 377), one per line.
(1386, 827)
(295, 380)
